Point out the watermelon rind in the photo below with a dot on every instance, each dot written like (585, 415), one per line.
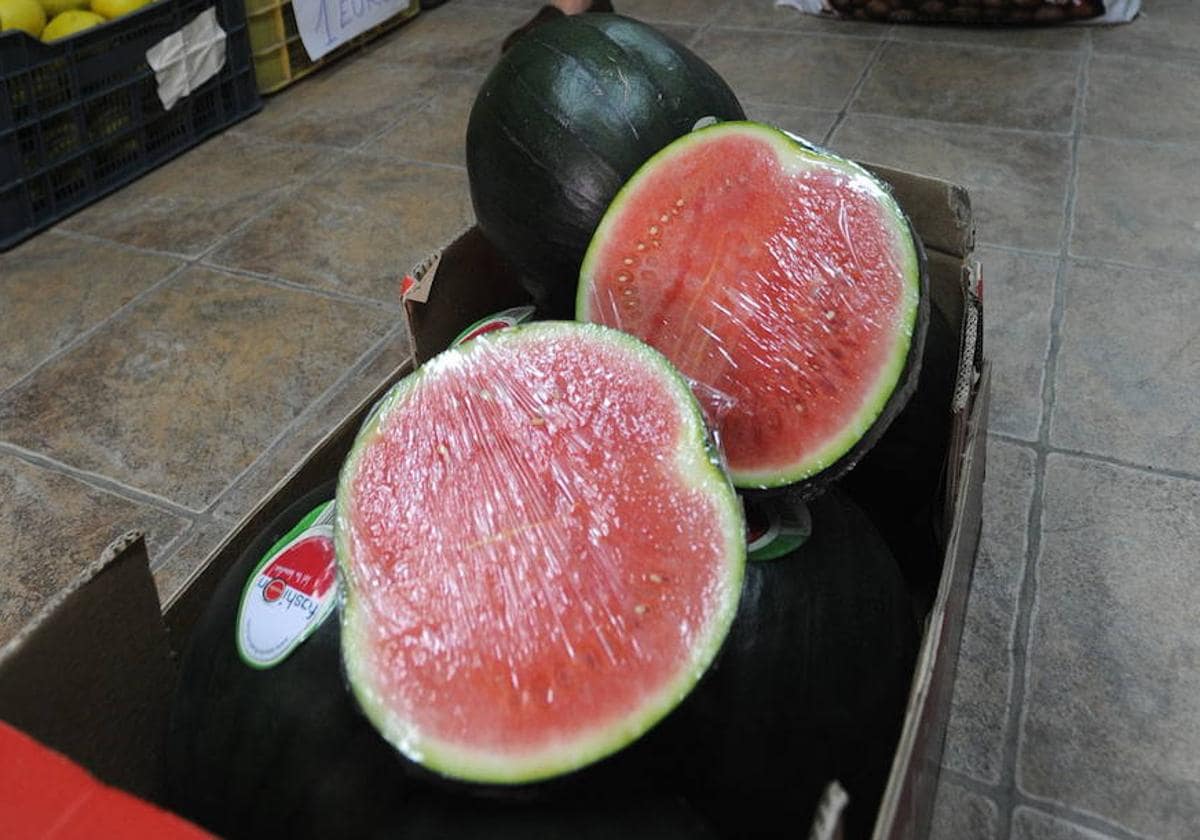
(894, 383)
(697, 463)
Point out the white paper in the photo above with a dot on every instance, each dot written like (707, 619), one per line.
(327, 24)
(186, 59)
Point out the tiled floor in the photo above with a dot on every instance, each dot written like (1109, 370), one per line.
(171, 351)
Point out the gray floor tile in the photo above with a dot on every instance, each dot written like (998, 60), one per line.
(1118, 104)
(1005, 37)
(462, 35)
(1112, 704)
(357, 228)
(691, 12)
(973, 84)
(1018, 304)
(52, 526)
(810, 123)
(184, 390)
(786, 68)
(435, 131)
(959, 814)
(346, 103)
(1136, 202)
(1030, 824)
(260, 479)
(1128, 367)
(1164, 29)
(977, 731)
(54, 288)
(186, 206)
(1017, 180)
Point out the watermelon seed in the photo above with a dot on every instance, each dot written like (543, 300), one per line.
(655, 578)
(538, 420)
(442, 450)
(641, 246)
(664, 218)
(640, 609)
(654, 230)
(799, 408)
(830, 315)
(623, 277)
(628, 261)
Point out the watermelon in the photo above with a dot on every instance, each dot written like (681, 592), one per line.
(540, 554)
(912, 455)
(252, 748)
(565, 117)
(812, 683)
(781, 278)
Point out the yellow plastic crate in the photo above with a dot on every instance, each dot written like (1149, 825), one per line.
(279, 56)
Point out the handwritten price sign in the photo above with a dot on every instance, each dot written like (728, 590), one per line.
(327, 24)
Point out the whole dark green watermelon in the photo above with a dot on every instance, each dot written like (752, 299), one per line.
(285, 751)
(252, 750)
(912, 454)
(567, 115)
(812, 683)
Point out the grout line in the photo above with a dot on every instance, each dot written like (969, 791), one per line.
(95, 328)
(872, 60)
(99, 481)
(377, 156)
(365, 360)
(1027, 599)
(1003, 129)
(81, 236)
(1084, 819)
(1050, 449)
(285, 193)
(979, 787)
(880, 34)
(1181, 273)
(292, 285)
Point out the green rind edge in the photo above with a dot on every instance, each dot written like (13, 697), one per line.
(889, 377)
(502, 770)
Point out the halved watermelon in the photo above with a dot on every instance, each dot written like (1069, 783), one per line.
(776, 274)
(540, 553)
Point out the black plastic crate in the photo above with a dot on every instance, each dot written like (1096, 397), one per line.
(81, 117)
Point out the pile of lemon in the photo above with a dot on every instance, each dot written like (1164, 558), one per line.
(66, 17)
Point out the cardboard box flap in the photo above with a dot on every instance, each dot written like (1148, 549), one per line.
(907, 806)
(91, 674)
(939, 210)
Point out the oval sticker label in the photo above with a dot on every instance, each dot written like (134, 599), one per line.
(499, 321)
(290, 593)
(775, 527)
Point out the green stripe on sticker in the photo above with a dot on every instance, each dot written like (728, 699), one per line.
(498, 321)
(776, 527)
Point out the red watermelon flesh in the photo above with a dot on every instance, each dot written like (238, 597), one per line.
(541, 554)
(782, 277)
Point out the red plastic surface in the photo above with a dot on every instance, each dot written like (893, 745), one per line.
(43, 794)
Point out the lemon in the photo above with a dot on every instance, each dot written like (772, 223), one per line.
(69, 22)
(115, 8)
(26, 15)
(57, 7)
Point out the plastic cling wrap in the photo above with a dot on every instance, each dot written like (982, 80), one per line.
(540, 553)
(778, 275)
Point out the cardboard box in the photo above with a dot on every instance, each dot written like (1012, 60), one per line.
(93, 673)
